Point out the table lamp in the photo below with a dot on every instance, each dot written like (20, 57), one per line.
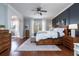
(73, 27)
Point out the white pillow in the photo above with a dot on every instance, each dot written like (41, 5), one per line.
(59, 29)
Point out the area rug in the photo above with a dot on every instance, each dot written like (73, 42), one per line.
(28, 46)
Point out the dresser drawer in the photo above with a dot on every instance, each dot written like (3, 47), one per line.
(4, 31)
(68, 42)
(1, 47)
(5, 42)
(68, 39)
(70, 46)
(0, 42)
(6, 45)
(6, 35)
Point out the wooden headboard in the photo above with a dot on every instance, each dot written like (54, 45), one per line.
(66, 31)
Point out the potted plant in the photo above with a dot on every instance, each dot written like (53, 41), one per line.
(2, 27)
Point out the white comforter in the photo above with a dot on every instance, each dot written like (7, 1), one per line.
(49, 34)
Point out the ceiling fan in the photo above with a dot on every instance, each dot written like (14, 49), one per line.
(39, 10)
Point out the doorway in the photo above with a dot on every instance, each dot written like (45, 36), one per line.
(15, 26)
(37, 26)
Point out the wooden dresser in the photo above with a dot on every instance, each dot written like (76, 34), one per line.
(68, 42)
(5, 40)
(26, 34)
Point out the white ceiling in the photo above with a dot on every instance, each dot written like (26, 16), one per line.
(53, 9)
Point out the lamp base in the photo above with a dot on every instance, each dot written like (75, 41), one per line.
(72, 33)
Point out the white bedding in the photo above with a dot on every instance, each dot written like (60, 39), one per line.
(50, 34)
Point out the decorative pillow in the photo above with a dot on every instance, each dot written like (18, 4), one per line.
(41, 32)
(59, 29)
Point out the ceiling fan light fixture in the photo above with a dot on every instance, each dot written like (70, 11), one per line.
(39, 10)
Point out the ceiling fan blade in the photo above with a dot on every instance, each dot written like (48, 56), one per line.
(43, 11)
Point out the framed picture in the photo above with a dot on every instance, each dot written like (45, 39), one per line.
(26, 27)
(63, 21)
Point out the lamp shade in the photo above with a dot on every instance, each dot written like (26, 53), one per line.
(50, 25)
(73, 26)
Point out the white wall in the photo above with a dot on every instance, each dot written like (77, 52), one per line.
(3, 15)
(28, 22)
(48, 22)
(6, 12)
(45, 24)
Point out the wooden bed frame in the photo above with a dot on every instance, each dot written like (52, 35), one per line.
(51, 41)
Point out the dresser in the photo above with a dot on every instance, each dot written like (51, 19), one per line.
(5, 40)
(68, 42)
(26, 34)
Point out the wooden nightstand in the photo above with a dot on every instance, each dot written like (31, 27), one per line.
(76, 49)
(76, 40)
(76, 46)
(26, 34)
(68, 42)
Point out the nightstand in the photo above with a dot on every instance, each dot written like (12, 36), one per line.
(76, 49)
(68, 42)
(26, 34)
(76, 40)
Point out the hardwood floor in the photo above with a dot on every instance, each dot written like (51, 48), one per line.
(16, 42)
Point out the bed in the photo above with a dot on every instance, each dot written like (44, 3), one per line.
(52, 37)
